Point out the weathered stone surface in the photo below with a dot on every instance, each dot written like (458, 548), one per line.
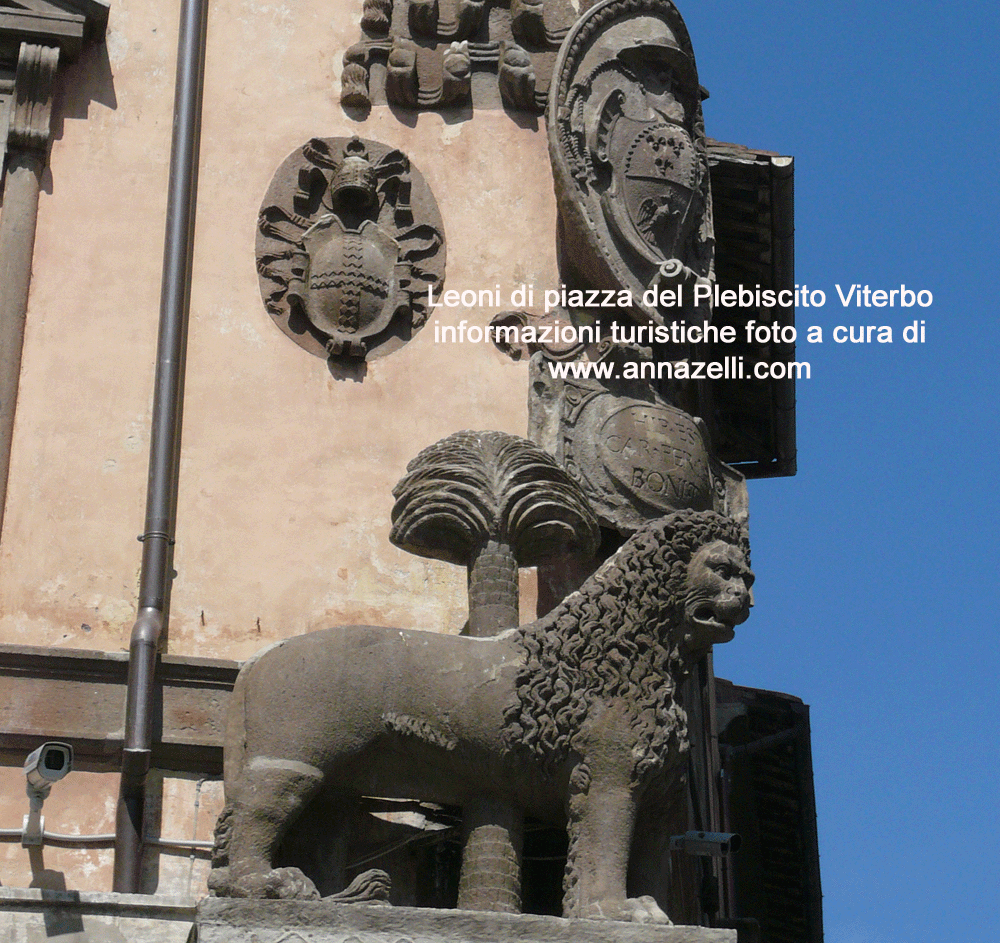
(349, 242)
(223, 921)
(572, 719)
(78, 696)
(32, 916)
(634, 454)
(419, 54)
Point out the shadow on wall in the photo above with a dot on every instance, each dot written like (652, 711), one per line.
(61, 921)
(88, 79)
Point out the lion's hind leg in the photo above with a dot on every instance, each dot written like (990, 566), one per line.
(269, 795)
(321, 837)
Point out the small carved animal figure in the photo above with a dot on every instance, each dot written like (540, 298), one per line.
(572, 719)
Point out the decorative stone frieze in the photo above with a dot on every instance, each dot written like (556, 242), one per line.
(420, 54)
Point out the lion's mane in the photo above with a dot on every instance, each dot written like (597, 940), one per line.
(616, 638)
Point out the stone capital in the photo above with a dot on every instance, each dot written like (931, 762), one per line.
(31, 109)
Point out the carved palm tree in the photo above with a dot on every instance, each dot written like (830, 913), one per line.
(491, 502)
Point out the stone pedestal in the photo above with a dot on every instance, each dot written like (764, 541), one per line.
(276, 921)
(34, 915)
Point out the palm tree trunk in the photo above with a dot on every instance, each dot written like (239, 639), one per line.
(491, 861)
(493, 590)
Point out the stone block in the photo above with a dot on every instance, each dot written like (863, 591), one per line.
(277, 921)
(34, 915)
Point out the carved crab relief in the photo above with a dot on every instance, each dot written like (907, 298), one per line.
(629, 155)
(349, 241)
(419, 54)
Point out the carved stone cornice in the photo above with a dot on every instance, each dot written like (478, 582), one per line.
(31, 112)
(68, 24)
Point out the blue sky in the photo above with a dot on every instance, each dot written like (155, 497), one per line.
(878, 563)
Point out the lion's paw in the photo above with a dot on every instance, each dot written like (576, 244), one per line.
(287, 884)
(633, 910)
(279, 884)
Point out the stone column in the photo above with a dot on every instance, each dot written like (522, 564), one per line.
(491, 862)
(27, 145)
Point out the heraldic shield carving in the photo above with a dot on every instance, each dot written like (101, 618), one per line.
(349, 241)
(629, 154)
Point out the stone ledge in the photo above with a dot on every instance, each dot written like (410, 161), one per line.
(277, 921)
(28, 915)
(147, 906)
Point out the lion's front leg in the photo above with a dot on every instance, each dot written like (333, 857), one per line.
(602, 811)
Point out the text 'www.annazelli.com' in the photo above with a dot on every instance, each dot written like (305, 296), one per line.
(729, 368)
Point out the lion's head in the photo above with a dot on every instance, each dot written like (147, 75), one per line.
(631, 632)
(717, 598)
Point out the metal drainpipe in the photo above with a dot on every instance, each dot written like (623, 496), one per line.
(164, 445)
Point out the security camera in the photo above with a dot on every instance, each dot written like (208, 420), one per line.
(47, 765)
(43, 767)
(706, 843)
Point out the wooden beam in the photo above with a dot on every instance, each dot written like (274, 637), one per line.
(79, 697)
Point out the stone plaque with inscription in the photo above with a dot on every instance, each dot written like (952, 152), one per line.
(658, 454)
(636, 456)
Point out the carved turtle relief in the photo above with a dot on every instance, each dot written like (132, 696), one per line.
(349, 240)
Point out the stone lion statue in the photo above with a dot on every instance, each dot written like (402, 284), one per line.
(572, 719)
